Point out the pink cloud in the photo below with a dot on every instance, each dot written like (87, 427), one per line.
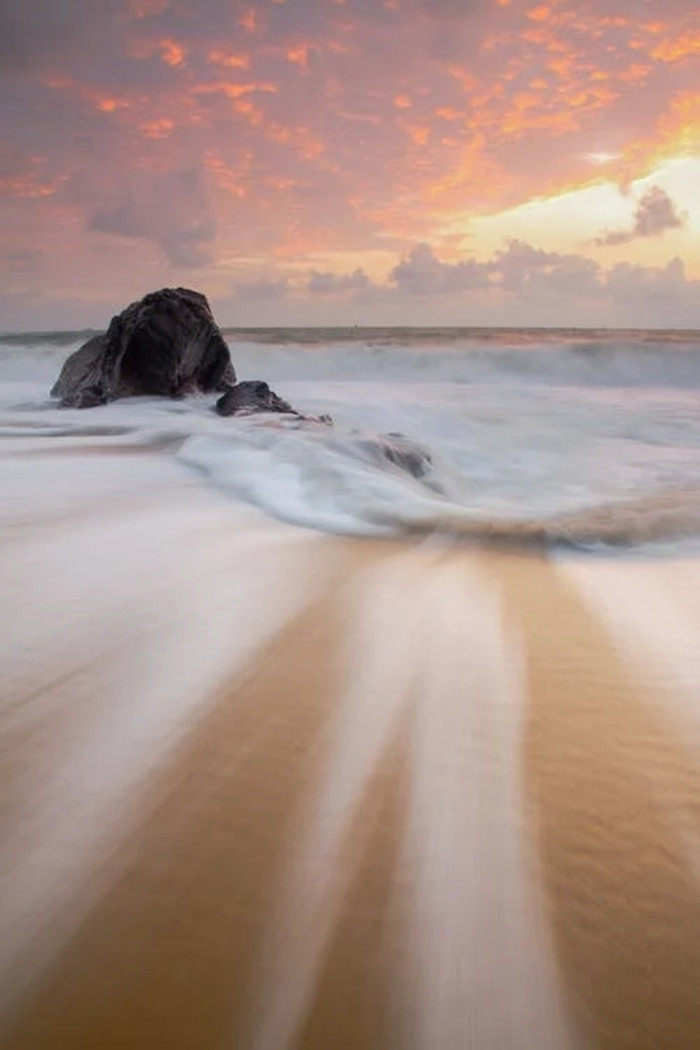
(324, 127)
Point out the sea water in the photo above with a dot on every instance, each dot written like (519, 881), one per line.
(572, 436)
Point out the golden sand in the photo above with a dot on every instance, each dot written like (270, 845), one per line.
(379, 796)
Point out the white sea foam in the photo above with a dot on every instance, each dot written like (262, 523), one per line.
(519, 429)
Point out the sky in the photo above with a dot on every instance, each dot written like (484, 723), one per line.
(370, 162)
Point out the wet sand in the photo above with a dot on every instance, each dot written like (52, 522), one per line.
(266, 789)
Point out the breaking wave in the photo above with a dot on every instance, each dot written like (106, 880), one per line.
(461, 355)
(361, 485)
(618, 360)
(558, 438)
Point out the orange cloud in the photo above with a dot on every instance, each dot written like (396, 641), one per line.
(235, 90)
(464, 78)
(172, 52)
(337, 48)
(27, 187)
(109, 105)
(547, 39)
(563, 67)
(474, 171)
(635, 74)
(679, 129)
(540, 14)
(157, 129)
(359, 118)
(670, 50)
(447, 113)
(614, 22)
(250, 21)
(227, 178)
(524, 101)
(418, 133)
(519, 124)
(676, 134)
(251, 112)
(298, 55)
(231, 60)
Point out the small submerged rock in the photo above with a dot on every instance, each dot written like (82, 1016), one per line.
(254, 395)
(406, 454)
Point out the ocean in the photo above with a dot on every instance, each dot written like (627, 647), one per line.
(300, 750)
(581, 437)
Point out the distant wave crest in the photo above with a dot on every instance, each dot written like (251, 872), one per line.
(596, 357)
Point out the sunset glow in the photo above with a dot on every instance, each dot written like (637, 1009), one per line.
(352, 161)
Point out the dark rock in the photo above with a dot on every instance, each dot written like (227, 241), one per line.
(254, 395)
(167, 345)
(406, 454)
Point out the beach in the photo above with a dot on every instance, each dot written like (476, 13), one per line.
(266, 786)
(283, 784)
